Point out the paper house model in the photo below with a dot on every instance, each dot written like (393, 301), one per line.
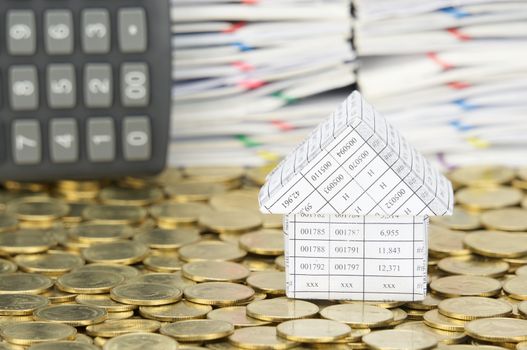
(357, 198)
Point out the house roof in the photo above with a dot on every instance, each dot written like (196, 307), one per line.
(355, 162)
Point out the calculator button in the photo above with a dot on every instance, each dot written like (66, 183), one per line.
(132, 30)
(61, 86)
(64, 140)
(26, 142)
(137, 144)
(21, 38)
(98, 85)
(58, 32)
(101, 140)
(23, 88)
(135, 85)
(95, 31)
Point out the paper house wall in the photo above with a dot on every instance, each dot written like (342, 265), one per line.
(357, 198)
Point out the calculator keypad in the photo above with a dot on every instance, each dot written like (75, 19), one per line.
(23, 84)
(76, 83)
(61, 86)
(132, 30)
(101, 140)
(64, 139)
(96, 31)
(98, 85)
(58, 32)
(21, 38)
(27, 143)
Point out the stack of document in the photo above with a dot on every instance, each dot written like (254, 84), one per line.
(253, 77)
(450, 74)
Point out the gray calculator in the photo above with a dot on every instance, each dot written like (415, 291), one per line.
(85, 88)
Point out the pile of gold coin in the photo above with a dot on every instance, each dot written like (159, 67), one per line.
(185, 260)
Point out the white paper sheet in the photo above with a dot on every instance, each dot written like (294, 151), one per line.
(357, 258)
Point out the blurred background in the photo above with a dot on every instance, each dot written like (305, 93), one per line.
(253, 77)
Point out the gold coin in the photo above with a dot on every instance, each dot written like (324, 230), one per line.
(64, 345)
(89, 282)
(123, 252)
(164, 262)
(193, 191)
(121, 315)
(470, 347)
(8, 223)
(507, 219)
(21, 304)
(399, 316)
(114, 214)
(237, 315)
(168, 239)
(51, 263)
(141, 341)
(214, 174)
(280, 263)
(458, 286)
(497, 244)
(74, 215)
(428, 303)
(474, 198)
(171, 215)
(29, 333)
(470, 308)
(441, 336)
(434, 319)
(27, 241)
(358, 315)
(218, 293)
(445, 242)
(103, 301)
(398, 339)
(259, 263)
(236, 200)
(169, 176)
(97, 233)
(36, 208)
(175, 279)
(238, 221)
(416, 315)
(459, 220)
(145, 294)
(482, 175)
(522, 308)
(281, 309)
(182, 310)
(215, 271)
(498, 329)
(197, 330)
(74, 315)
(113, 328)
(211, 250)
(127, 272)
(24, 283)
(256, 297)
(263, 337)
(516, 288)
(474, 266)
(7, 266)
(272, 283)
(264, 242)
(258, 175)
(56, 296)
(133, 197)
(313, 330)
